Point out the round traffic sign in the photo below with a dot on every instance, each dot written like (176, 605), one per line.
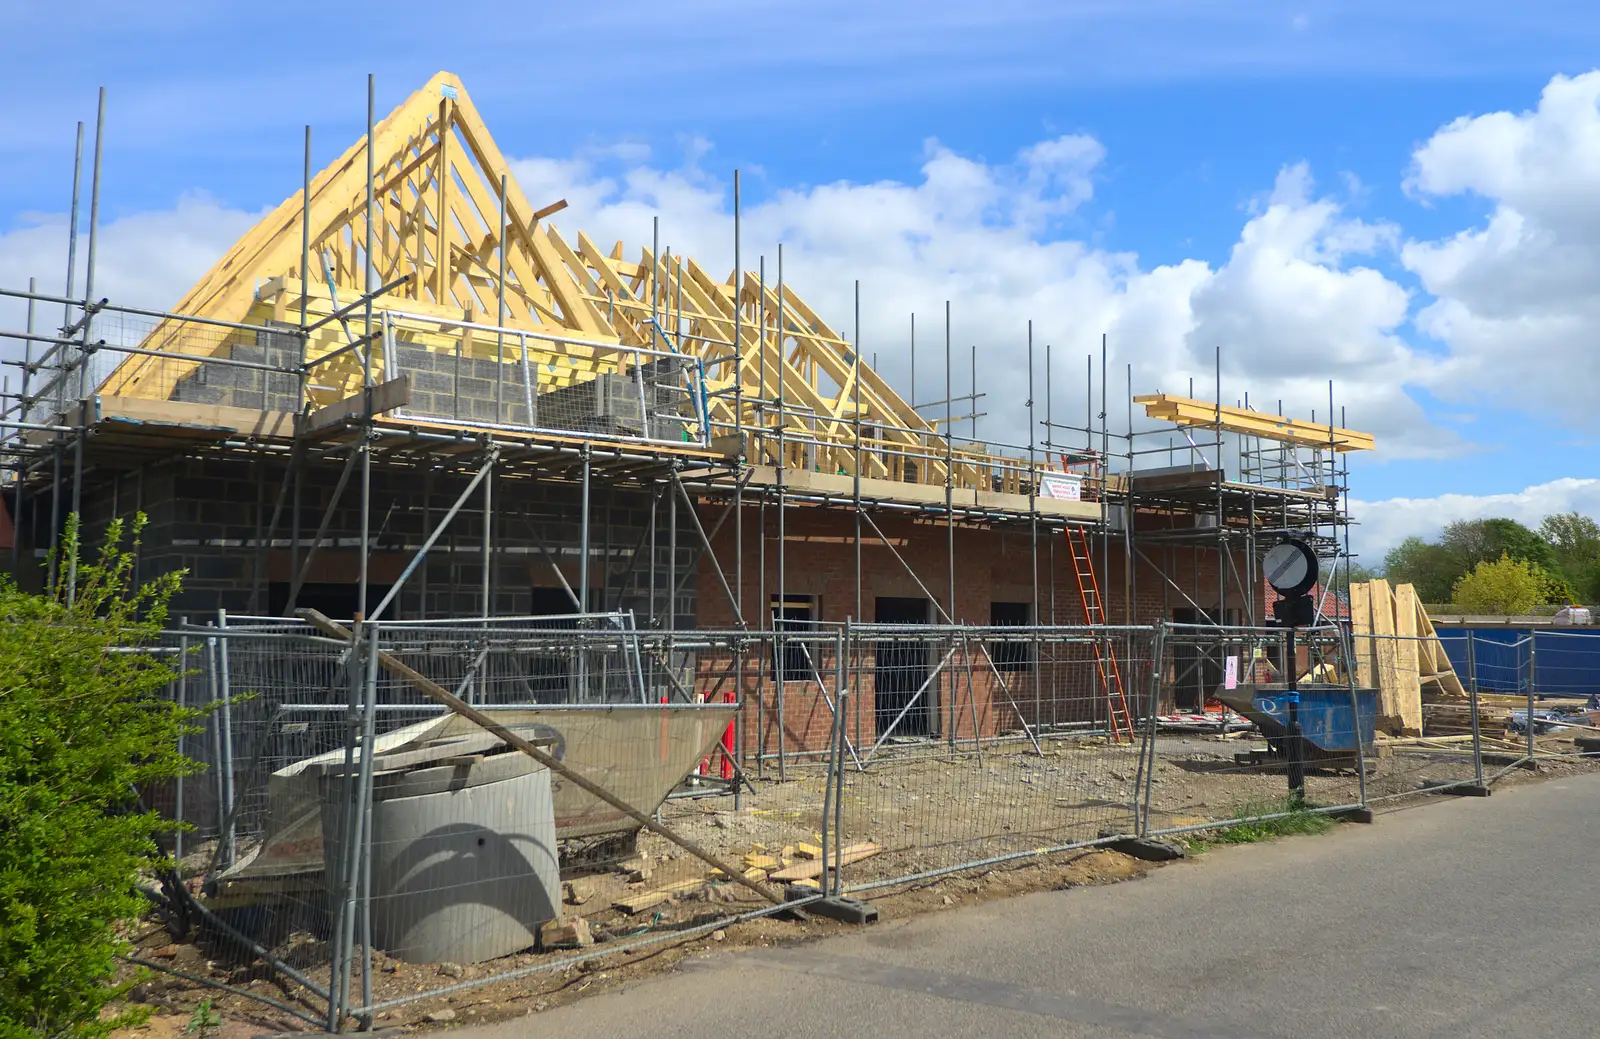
(1291, 567)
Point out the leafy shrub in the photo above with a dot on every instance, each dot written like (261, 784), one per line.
(84, 724)
(1502, 586)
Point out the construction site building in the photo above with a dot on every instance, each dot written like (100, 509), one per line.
(406, 394)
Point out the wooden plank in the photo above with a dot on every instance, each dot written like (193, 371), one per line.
(640, 902)
(386, 396)
(1430, 655)
(1408, 686)
(1389, 712)
(250, 421)
(1361, 632)
(814, 867)
(1444, 671)
(1186, 411)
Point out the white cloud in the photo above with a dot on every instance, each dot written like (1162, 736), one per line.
(147, 259)
(1380, 525)
(1292, 307)
(1289, 308)
(1516, 301)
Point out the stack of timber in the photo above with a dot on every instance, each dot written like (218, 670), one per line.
(1399, 654)
(1455, 719)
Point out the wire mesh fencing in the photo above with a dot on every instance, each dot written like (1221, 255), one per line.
(360, 838)
(131, 353)
(1545, 698)
(1228, 739)
(942, 763)
(354, 831)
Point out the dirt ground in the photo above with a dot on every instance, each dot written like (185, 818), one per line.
(926, 810)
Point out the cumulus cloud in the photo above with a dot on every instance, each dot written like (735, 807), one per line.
(1299, 300)
(148, 259)
(1291, 307)
(1514, 299)
(1380, 525)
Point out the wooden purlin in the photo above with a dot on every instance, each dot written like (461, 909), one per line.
(708, 308)
(1185, 411)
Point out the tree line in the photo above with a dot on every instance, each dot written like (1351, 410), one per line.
(1499, 566)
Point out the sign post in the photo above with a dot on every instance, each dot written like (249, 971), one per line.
(1291, 569)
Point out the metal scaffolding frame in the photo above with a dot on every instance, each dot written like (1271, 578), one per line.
(52, 434)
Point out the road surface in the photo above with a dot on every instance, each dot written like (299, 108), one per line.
(1469, 917)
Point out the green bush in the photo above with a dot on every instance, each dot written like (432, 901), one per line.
(84, 724)
(1504, 586)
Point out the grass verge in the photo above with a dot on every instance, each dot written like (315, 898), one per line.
(1290, 817)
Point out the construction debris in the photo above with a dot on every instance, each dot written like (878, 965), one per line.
(851, 853)
(571, 933)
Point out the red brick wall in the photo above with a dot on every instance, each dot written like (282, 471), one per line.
(992, 565)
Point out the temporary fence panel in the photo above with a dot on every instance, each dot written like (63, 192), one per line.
(942, 763)
(393, 851)
(1214, 766)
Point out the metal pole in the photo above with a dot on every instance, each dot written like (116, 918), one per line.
(1153, 710)
(914, 364)
(672, 584)
(672, 562)
(183, 702)
(1533, 645)
(655, 559)
(781, 645)
(225, 716)
(368, 741)
(1130, 579)
(860, 610)
(305, 246)
(500, 312)
(350, 834)
(366, 354)
(738, 494)
(1050, 546)
(303, 396)
(761, 352)
(62, 369)
(583, 537)
(488, 537)
(949, 521)
(83, 349)
(1472, 693)
(825, 835)
(1033, 540)
(846, 640)
(22, 413)
(1297, 766)
(419, 559)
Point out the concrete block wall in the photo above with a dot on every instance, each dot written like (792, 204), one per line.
(207, 514)
(247, 387)
(472, 389)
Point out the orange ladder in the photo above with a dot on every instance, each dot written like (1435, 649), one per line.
(1094, 613)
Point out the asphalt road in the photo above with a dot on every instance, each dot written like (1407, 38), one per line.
(1470, 917)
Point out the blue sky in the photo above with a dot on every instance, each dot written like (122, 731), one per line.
(1212, 121)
